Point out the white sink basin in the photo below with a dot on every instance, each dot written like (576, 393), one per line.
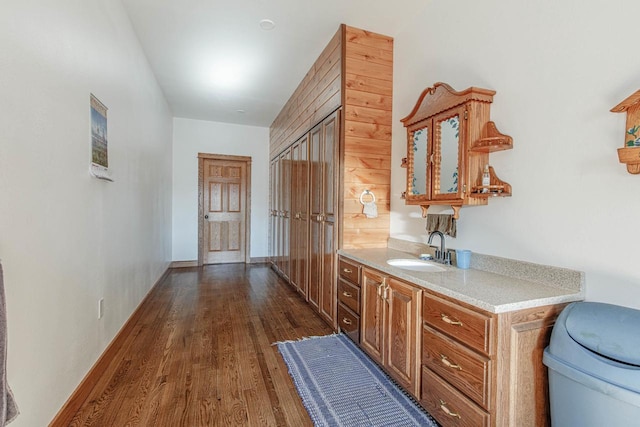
(414, 264)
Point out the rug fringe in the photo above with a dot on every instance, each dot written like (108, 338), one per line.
(313, 337)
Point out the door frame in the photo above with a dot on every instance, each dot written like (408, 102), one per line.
(247, 220)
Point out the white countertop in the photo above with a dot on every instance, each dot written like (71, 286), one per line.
(492, 292)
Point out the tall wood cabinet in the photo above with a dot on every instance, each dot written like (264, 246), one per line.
(466, 366)
(300, 215)
(322, 163)
(339, 117)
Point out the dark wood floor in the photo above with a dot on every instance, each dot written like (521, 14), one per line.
(202, 354)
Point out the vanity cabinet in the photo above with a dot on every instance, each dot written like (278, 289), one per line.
(466, 366)
(390, 331)
(449, 139)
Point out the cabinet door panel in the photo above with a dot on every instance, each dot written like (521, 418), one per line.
(402, 333)
(371, 330)
(448, 161)
(328, 283)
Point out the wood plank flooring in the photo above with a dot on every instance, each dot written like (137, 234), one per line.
(202, 354)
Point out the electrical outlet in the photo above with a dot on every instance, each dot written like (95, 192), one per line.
(100, 308)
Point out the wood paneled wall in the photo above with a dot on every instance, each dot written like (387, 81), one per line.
(318, 95)
(368, 93)
(355, 72)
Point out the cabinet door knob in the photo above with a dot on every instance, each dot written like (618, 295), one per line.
(347, 270)
(206, 217)
(447, 319)
(346, 321)
(347, 294)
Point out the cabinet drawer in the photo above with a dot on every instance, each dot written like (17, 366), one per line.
(349, 271)
(464, 369)
(349, 323)
(472, 328)
(448, 406)
(349, 295)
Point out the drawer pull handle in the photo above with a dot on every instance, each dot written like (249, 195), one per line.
(347, 294)
(347, 270)
(346, 321)
(445, 361)
(447, 319)
(443, 406)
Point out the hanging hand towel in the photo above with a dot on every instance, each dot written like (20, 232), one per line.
(443, 223)
(8, 407)
(370, 208)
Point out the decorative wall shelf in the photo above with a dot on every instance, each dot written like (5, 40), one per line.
(496, 188)
(493, 141)
(629, 154)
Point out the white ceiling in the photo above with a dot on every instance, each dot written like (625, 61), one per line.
(188, 41)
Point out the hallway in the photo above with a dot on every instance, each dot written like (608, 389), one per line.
(201, 354)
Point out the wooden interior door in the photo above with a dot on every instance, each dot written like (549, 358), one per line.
(224, 205)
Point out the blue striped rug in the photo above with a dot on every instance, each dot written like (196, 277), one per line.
(340, 386)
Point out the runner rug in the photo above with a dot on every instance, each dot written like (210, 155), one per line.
(340, 386)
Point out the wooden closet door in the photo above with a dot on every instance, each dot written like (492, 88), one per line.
(273, 214)
(328, 283)
(315, 217)
(300, 215)
(285, 207)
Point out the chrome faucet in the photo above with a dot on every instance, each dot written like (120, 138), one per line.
(442, 255)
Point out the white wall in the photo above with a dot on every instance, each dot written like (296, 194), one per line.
(558, 68)
(67, 239)
(191, 137)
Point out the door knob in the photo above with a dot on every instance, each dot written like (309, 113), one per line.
(206, 217)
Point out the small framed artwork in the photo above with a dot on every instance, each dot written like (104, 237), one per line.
(99, 167)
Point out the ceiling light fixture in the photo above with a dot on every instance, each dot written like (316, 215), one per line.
(267, 24)
(228, 75)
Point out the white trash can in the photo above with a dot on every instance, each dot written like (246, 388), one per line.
(594, 366)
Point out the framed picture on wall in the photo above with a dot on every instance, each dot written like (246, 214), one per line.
(99, 145)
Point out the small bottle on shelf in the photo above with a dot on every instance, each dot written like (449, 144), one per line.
(486, 179)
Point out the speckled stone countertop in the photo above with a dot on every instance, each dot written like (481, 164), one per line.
(496, 293)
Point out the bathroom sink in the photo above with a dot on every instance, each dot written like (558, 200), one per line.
(414, 264)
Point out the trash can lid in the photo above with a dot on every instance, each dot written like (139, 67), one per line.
(610, 330)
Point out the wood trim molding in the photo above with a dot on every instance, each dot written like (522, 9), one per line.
(224, 157)
(79, 396)
(259, 260)
(183, 264)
